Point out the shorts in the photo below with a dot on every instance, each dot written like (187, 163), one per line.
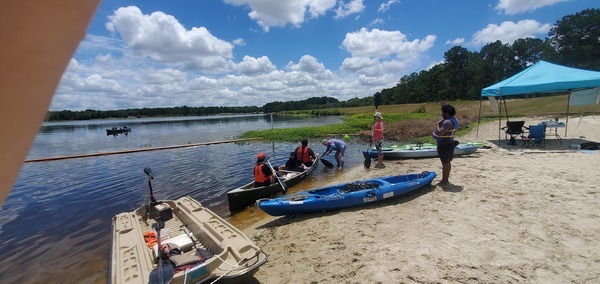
(379, 145)
(446, 152)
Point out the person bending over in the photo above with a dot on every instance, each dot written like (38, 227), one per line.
(340, 149)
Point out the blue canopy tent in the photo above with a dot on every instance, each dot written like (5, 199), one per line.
(545, 77)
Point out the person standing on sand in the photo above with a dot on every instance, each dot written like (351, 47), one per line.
(443, 134)
(340, 149)
(377, 138)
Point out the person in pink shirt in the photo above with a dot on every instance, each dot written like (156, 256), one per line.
(377, 138)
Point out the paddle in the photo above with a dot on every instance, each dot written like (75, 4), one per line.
(163, 274)
(326, 163)
(283, 189)
(376, 102)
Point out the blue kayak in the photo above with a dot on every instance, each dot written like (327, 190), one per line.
(345, 195)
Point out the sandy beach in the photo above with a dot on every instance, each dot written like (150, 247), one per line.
(510, 215)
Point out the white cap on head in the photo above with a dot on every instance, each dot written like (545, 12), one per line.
(378, 114)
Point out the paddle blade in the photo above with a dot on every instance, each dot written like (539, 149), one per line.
(326, 163)
(367, 162)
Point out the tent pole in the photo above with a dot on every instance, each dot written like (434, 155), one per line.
(500, 121)
(568, 104)
(479, 117)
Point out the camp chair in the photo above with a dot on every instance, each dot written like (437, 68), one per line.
(513, 129)
(535, 137)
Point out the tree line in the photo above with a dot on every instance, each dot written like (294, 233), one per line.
(573, 41)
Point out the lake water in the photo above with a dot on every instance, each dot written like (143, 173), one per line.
(55, 225)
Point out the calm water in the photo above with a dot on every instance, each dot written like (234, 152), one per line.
(55, 225)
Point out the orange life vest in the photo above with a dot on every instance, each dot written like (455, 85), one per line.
(303, 154)
(259, 176)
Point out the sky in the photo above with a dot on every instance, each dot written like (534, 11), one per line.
(195, 53)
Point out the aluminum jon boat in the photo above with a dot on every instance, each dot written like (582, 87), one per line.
(345, 195)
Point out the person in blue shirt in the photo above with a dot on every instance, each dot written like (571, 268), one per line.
(340, 149)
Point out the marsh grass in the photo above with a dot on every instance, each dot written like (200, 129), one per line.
(414, 122)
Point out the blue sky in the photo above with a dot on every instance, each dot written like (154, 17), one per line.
(250, 52)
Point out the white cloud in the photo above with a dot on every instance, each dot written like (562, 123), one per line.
(380, 44)
(386, 6)
(456, 41)
(347, 9)
(513, 7)
(307, 64)
(251, 65)
(276, 13)
(162, 38)
(153, 61)
(376, 22)
(239, 42)
(508, 32)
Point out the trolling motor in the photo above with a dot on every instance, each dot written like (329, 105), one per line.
(160, 212)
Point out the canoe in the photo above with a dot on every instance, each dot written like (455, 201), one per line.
(213, 248)
(117, 131)
(345, 195)
(247, 194)
(425, 151)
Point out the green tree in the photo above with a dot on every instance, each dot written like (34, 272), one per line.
(577, 39)
(531, 50)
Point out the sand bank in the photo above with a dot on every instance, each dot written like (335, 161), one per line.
(511, 215)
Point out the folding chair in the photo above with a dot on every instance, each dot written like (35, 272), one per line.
(513, 129)
(535, 137)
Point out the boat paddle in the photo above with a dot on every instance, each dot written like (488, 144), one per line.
(376, 102)
(326, 163)
(164, 272)
(283, 189)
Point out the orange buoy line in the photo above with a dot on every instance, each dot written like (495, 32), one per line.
(135, 150)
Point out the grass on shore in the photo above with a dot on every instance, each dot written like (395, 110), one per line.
(414, 122)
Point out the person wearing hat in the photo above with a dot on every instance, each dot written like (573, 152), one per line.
(340, 149)
(263, 173)
(377, 138)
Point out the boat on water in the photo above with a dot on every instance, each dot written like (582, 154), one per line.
(117, 131)
(419, 151)
(247, 194)
(346, 194)
(179, 241)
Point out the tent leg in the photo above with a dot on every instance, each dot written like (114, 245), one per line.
(478, 118)
(567, 119)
